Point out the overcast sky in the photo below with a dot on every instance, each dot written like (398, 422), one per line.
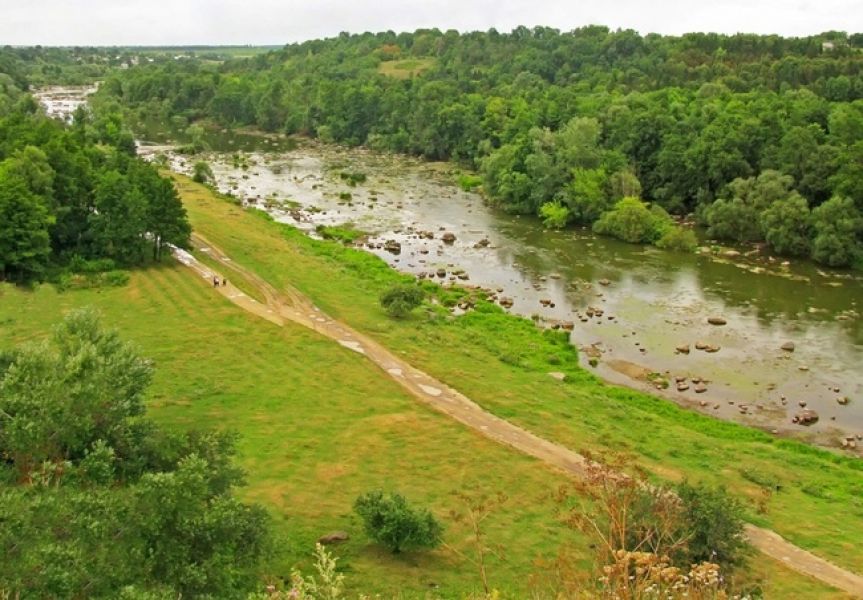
(155, 22)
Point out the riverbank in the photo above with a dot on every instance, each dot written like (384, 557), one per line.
(504, 363)
(626, 304)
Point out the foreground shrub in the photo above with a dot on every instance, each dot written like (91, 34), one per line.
(400, 300)
(390, 520)
(712, 524)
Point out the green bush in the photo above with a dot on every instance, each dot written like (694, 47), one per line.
(632, 220)
(202, 173)
(390, 520)
(400, 300)
(352, 178)
(554, 215)
(678, 239)
(713, 525)
(469, 182)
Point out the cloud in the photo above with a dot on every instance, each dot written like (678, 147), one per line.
(155, 22)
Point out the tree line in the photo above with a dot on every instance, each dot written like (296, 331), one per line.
(72, 194)
(567, 124)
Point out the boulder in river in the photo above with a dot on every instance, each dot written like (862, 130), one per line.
(806, 417)
(787, 346)
(393, 247)
(448, 237)
(843, 400)
(604, 282)
(716, 320)
(682, 349)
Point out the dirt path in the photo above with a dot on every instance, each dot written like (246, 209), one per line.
(291, 305)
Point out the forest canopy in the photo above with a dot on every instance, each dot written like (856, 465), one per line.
(573, 121)
(76, 193)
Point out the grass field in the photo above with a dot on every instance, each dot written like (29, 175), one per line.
(405, 69)
(319, 425)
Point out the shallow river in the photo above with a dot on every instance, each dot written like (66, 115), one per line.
(652, 301)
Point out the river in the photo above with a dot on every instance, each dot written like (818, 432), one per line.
(652, 302)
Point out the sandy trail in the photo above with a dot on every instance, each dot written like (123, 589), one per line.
(290, 305)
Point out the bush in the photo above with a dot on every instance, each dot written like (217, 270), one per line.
(469, 182)
(554, 215)
(352, 178)
(631, 220)
(678, 239)
(400, 300)
(389, 520)
(713, 524)
(202, 173)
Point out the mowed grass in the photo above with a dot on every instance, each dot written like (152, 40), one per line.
(811, 496)
(405, 69)
(318, 425)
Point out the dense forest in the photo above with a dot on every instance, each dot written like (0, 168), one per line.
(76, 196)
(760, 137)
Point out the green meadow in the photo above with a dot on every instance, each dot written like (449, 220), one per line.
(318, 424)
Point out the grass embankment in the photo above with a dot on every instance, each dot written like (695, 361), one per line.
(811, 496)
(318, 426)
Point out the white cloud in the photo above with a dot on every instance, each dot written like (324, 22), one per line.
(126, 22)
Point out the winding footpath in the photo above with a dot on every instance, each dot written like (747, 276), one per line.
(292, 306)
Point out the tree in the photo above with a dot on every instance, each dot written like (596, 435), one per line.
(586, 196)
(400, 300)
(59, 398)
(837, 225)
(119, 222)
(24, 228)
(738, 217)
(786, 225)
(390, 520)
(102, 500)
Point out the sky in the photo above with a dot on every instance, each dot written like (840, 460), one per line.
(277, 22)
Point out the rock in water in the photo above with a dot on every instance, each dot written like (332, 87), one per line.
(683, 349)
(448, 237)
(716, 320)
(788, 346)
(806, 417)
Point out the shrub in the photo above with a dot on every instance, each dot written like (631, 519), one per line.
(400, 300)
(352, 178)
(554, 215)
(713, 524)
(469, 182)
(678, 239)
(631, 220)
(389, 520)
(202, 173)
